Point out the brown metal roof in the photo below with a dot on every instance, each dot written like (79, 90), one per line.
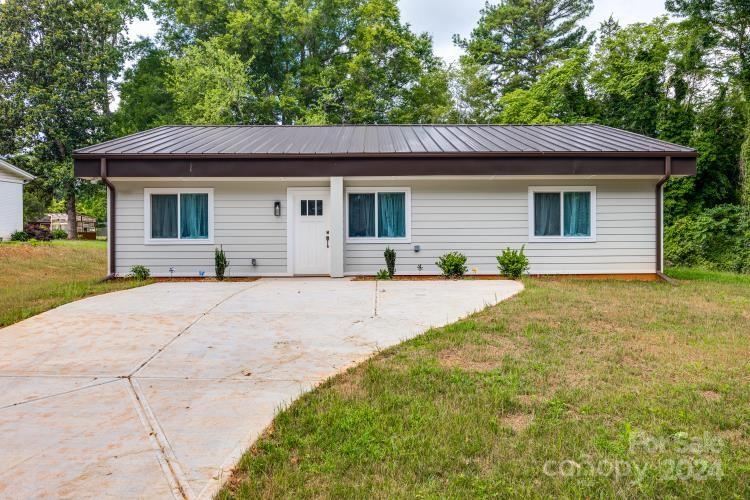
(249, 141)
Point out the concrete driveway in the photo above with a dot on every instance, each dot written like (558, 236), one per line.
(156, 392)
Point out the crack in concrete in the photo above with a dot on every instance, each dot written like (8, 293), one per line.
(165, 454)
(54, 395)
(168, 461)
(203, 315)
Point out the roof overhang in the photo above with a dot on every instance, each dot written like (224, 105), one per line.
(17, 172)
(182, 166)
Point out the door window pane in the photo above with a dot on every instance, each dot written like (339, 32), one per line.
(577, 214)
(319, 203)
(391, 215)
(194, 215)
(163, 216)
(547, 214)
(361, 215)
(303, 209)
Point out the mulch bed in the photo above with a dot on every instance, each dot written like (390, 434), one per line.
(198, 278)
(415, 277)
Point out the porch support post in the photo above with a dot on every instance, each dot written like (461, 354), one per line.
(337, 227)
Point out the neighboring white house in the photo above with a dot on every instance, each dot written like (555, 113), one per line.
(327, 200)
(12, 180)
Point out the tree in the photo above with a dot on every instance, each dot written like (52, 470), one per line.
(559, 96)
(318, 61)
(718, 139)
(208, 85)
(518, 40)
(728, 24)
(145, 101)
(58, 61)
(629, 75)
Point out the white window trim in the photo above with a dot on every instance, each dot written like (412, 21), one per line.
(562, 239)
(376, 190)
(148, 240)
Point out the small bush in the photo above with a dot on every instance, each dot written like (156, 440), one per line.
(221, 263)
(390, 261)
(19, 236)
(383, 275)
(140, 273)
(59, 234)
(453, 265)
(38, 232)
(513, 263)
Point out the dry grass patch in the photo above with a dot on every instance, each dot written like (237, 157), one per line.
(479, 357)
(711, 395)
(38, 277)
(518, 422)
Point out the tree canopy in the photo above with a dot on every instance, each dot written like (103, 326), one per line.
(58, 63)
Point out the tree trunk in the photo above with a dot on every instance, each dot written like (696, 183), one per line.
(70, 201)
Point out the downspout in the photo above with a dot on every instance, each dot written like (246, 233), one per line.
(660, 219)
(111, 218)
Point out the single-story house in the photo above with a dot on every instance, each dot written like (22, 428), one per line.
(85, 224)
(12, 180)
(327, 200)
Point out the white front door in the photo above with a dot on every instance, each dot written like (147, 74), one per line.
(311, 232)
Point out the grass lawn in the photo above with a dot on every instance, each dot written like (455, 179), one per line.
(570, 389)
(37, 277)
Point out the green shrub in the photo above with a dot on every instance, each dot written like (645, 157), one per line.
(717, 238)
(383, 275)
(140, 273)
(513, 263)
(59, 234)
(221, 263)
(19, 236)
(390, 261)
(453, 265)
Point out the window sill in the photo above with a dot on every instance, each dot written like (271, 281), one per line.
(178, 242)
(379, 240)
(562, 239)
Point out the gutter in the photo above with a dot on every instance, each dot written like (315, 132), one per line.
(111, 220)
(660, 219)
(82, 155)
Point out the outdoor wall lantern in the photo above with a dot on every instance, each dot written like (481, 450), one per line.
(277, 208)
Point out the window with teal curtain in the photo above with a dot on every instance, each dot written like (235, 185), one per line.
(546, 214)
(391, 215)
(577, 214)
(194, 216)
(163, 216)
(361, 215)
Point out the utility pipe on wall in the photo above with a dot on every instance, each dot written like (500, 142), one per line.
(111, 217)
(660, 216)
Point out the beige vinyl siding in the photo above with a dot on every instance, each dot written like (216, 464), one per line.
(244, 224)
(480, 218)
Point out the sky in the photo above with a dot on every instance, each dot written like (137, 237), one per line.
(444, 18)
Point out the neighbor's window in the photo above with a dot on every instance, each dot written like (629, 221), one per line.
(177, 215)
(562, 213)
(378, 214)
